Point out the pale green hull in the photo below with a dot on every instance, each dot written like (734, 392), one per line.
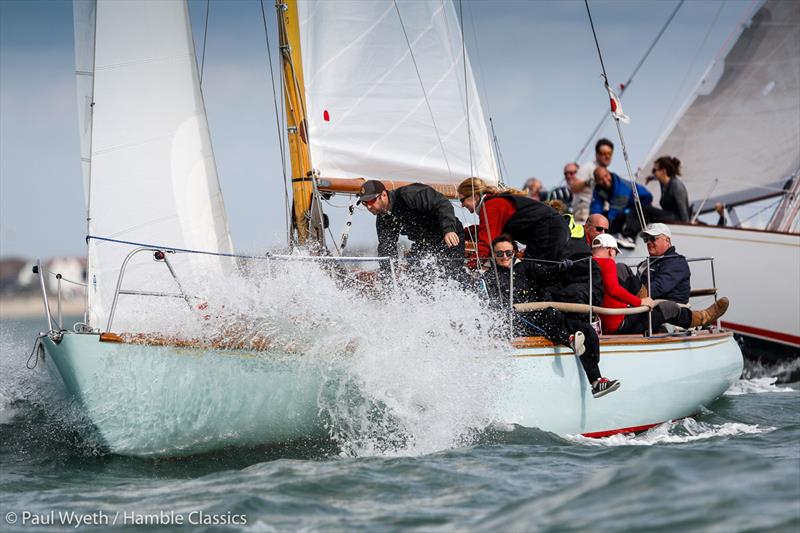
(161, 401)
(168, 401)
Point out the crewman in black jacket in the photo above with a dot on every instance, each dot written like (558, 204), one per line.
(422, 214)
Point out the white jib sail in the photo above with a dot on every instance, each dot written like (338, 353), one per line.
(151, 171)
(742, 124)
(385, 92)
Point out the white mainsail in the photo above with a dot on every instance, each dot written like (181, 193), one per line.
(742, 124)
(385, 92)
(149, 169)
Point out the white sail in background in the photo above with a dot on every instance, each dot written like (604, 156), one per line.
(380, 109)
(152, 176)
(742, 125)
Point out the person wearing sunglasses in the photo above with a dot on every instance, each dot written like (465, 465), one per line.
(595, 225)
(670, 277)
(604, 252)
(422, 214)
(550, 323)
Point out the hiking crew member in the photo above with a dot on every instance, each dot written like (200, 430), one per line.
(669, 271)
(605, 250)
(550, 322)
(544, 232)
(422, 214)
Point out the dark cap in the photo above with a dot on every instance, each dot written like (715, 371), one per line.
(371, 189)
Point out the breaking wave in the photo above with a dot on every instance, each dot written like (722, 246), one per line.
(756, 386)
(676, 432)
(405, 370)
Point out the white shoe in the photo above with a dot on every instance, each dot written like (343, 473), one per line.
(625, 242)
(576, 343)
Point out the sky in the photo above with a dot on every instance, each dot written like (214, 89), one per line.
(535, 62)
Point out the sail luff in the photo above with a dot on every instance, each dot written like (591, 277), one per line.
(152, 176)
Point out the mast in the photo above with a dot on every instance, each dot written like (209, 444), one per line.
(306, 222)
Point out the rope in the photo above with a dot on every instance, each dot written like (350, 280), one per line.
(422, 86)
(281, 144)
(37, 344)
(630, 78)
(205, 36)
(582, 308)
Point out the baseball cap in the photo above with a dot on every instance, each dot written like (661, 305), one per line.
(604, 240)
(371, 189)
(657, 229)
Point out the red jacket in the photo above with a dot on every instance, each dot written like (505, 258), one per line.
(615, 296)
(492, 218)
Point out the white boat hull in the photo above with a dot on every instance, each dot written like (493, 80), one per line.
(758, 271)
(161, 401)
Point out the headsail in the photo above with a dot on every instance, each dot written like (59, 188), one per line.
(742, 125)
(385, 92)
(151, 172)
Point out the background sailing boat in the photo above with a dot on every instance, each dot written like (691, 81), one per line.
(738, 138)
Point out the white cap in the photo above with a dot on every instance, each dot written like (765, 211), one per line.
(657, 229)
(604, 240)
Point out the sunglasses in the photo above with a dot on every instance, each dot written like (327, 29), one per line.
(463, 199)
(650, 238)
(370, 202)
(504, 253)
(600, 229)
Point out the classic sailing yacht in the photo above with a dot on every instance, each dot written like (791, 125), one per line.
(380, 90)
(738, 138)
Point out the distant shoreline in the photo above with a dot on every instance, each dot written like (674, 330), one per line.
(33, 306)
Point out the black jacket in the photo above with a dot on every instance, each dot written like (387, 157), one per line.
(669, 276)
(536, 225)
(422, 214)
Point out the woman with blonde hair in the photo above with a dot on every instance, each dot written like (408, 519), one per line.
(536, 225)
(562, 264)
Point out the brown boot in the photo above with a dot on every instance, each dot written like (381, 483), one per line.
(710, 314)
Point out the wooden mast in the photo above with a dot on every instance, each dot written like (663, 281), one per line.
(297, 125)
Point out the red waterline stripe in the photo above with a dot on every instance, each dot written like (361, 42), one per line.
(785, 338)
(634, 429)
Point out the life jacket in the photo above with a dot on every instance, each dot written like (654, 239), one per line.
(575, 230)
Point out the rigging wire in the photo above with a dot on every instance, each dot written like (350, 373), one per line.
(205, 37)
(637, 200)
(422, 86)
(466, 85)
(627, 84)
(280, 131)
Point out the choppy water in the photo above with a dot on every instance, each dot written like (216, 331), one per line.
(734, 468)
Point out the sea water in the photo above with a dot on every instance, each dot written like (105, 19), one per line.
(423, 464)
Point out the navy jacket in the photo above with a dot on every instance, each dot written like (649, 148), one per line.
(669, 277)
(619, 198)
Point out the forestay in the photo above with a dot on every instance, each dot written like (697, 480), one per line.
(385, 92)
(149, 169)
(742, 124)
